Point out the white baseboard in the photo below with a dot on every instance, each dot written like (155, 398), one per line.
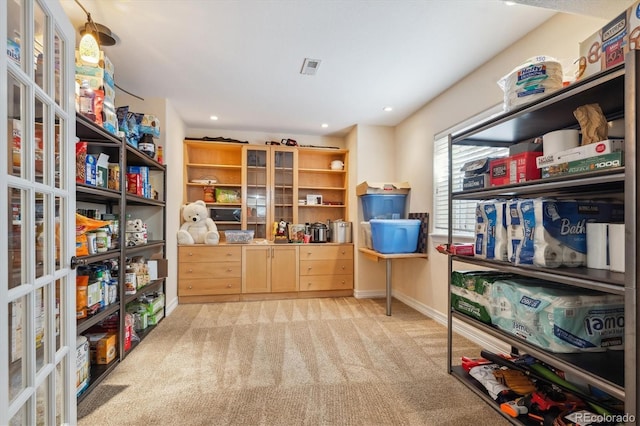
(369, 294)
(171, 306)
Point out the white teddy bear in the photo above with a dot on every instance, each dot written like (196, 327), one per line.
(198, 227)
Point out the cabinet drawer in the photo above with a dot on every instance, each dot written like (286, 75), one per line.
(326, 267)
(326, 282)
(210, 270)
(221, 253)
(318, 252)
(204, 287)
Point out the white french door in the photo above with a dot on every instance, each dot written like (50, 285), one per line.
(37, 220)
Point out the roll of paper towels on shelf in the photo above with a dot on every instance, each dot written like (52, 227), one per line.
(560, 140)
(547, 255)
(597, 245)
(616, 247)
(616, 129)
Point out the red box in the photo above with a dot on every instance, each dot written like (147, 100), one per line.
(499, 171)
(134, 184)
(523, 168)
(462, 249)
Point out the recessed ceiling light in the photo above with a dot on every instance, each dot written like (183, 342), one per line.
(214, 117)
(324, 125)
(510, 3)
(387, 109)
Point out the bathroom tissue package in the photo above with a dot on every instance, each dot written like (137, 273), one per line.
(470, 292)
(491, 231)
(514, 229)
(554, 232)
(555, 319)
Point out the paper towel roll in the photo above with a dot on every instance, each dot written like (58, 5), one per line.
(597, 245)
(547, 255)
(616, 247)
(559, 140)
(572, 258)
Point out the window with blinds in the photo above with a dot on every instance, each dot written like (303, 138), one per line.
(463, 214)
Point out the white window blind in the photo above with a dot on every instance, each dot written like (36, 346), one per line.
(463, 214)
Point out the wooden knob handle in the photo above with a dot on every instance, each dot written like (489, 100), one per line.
(190, 287)
(228, 285)
(190, 254)
(190, 270)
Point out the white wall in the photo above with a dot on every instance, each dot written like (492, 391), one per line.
(171, 136)
(381, 153)
(425, 283)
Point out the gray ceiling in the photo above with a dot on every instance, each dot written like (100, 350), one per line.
(240, 59)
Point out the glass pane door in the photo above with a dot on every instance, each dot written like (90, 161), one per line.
(256, 191)
(36, 181)
(283, 191)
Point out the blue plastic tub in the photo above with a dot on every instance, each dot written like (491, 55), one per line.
(395, 235)
(383, 206)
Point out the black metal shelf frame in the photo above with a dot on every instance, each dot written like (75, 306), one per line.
(616, 91)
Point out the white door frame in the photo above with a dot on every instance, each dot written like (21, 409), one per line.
(46, 391)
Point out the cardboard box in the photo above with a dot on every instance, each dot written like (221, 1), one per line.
(102, 170)
(499, 172)
(585, 151)
(158, 267)
(134, 184)
(102, 347)
(475, 182)
(522, 167)
(608, 46)
(383, 188)
(599, 162)
(521, 147)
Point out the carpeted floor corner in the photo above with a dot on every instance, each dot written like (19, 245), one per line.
(329, 361)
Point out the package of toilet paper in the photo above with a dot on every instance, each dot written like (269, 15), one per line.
(554, 231)
(491, 230)
(480, 246)
(470, 292)
(556, 319)
(514, 229)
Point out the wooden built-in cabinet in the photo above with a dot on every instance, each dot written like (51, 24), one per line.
(326, 267)
(272, 183)
(209, 270)
(269, 268)
(230, 272)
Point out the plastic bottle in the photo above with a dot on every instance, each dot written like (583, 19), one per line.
(147, 146)
(160, 157)
(101, 240)
(91, 243)
(87, 97)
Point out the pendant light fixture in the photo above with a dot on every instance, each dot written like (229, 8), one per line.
(93, 36)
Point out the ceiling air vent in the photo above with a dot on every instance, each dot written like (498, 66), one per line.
(310, 66)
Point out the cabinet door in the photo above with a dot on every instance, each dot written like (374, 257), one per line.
(284, 269)
(256, 190)
(256, 267)
(283, 162)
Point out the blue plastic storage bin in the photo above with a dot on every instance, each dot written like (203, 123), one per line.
(395, 235)
(383, 206)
